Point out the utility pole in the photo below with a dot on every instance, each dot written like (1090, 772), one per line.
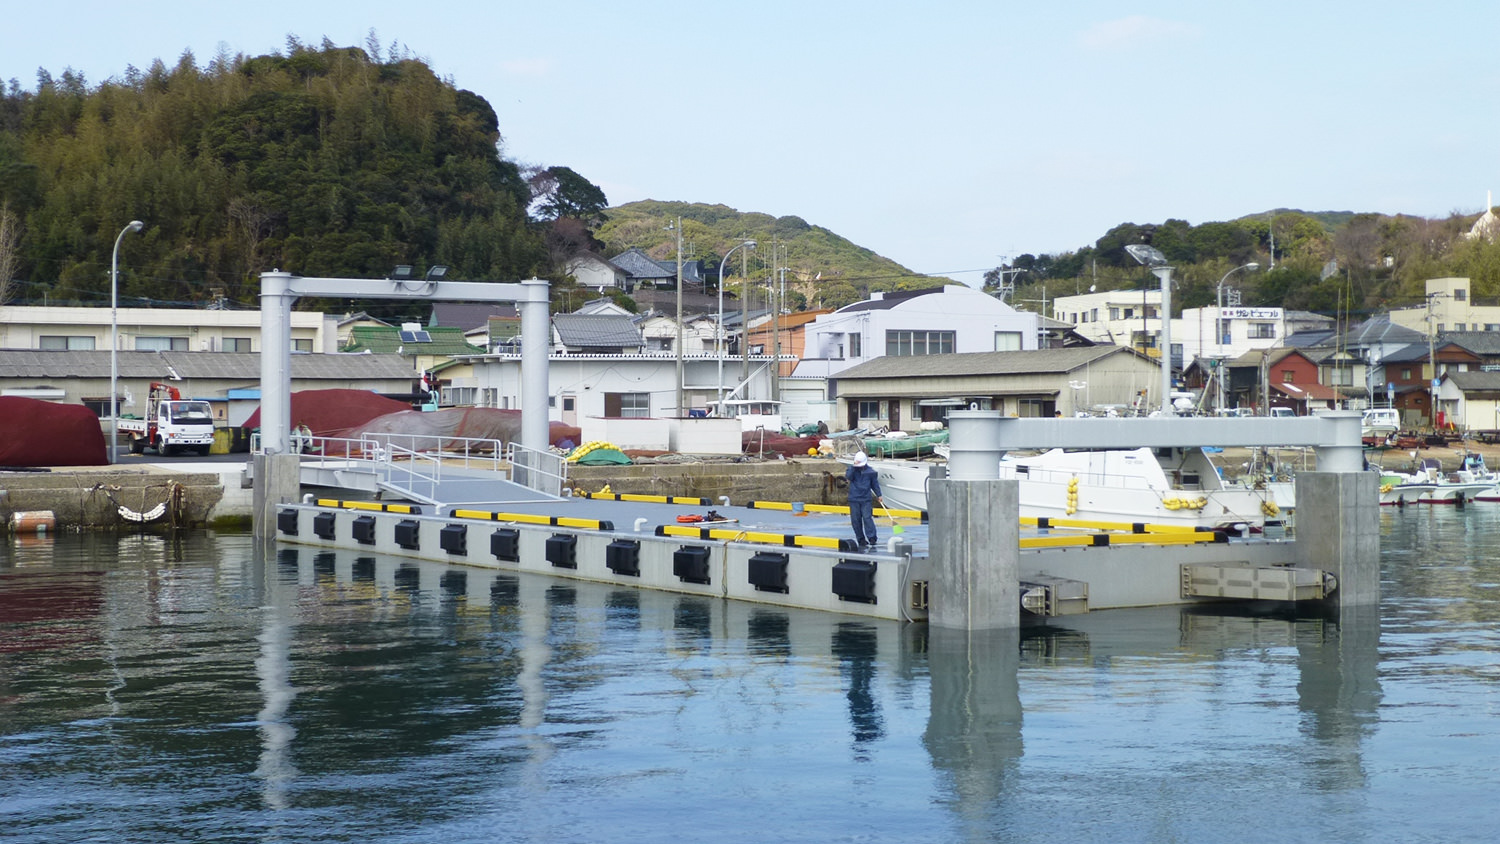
(745, 319)
(681, 412)
(780, 301)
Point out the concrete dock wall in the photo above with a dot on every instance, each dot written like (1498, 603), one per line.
(869, 585)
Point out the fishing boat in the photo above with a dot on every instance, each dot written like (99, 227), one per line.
(1452, 487)
(1398, 489)
(1176, 486)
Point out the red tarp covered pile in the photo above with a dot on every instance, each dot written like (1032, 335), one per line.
(352, 413)
(333, 413)
(40, 433)
(758, 442)
(485, 423)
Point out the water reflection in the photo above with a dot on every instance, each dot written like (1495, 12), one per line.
(186, 687)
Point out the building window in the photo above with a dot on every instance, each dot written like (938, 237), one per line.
(1287, 376)
(161, 344)
(869, 410)
(236, 344)
(1340, 376)
(65, 343)
(1007, 341)
(1031, 408)
(458, 396)
(302, 346)
(1262, 330)
(1460, 294)
(855, 345)
(628, 405)
(100, 405)
(1406, 374)
(912, 343)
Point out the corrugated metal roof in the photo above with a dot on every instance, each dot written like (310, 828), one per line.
(597, 331)
(981, 363)
(171, 366)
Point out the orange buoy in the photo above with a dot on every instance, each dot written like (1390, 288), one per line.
(32, 521)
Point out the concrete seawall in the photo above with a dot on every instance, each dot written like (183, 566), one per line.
(131, 496)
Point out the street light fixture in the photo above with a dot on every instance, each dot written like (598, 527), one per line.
(1154, 260)
(748, 244)
(1219, 326)
(114, 333)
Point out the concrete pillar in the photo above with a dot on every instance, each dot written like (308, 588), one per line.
(1338, 531)
(536, 344)
(276, 302)
(278, 480)
(974, 540)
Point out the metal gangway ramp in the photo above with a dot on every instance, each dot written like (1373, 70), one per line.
(437, 470)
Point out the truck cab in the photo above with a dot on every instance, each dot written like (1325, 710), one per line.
(171, 425)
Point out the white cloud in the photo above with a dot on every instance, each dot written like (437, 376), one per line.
(1135, 31)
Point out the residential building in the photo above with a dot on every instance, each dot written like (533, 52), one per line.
(1117, 317)
(902, 391)
(155, 329)
(620, 384)
(590, 270)
(1449, 306)
(914, 323)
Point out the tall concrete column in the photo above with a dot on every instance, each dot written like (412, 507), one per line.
(536, 341)
(276, 301)
(1338, 531)
(975, 537)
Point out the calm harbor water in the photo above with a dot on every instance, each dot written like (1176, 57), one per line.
(195, 689)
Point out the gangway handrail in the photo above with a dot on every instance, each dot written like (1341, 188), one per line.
(389, 467)
(543, 471)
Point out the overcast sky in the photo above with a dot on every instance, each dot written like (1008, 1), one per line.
(946, 136)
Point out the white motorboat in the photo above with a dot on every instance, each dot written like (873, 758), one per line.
(1474, 464)
(1399, 489)
(1157, 486)
(1453, 487)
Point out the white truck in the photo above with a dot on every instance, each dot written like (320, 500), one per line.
(171, 425)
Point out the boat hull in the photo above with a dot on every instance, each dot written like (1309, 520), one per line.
(1119, 487)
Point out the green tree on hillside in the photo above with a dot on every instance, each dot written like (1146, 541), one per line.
(323, 161)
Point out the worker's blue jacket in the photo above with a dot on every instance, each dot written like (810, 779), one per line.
(864, 483)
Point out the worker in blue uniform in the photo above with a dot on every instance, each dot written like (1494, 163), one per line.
(864, 491)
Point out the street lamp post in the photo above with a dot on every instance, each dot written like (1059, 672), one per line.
(1219, 327)
(748, 244)
(114, 331)
(1153, 259)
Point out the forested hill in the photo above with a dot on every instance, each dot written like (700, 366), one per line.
(325, 162)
